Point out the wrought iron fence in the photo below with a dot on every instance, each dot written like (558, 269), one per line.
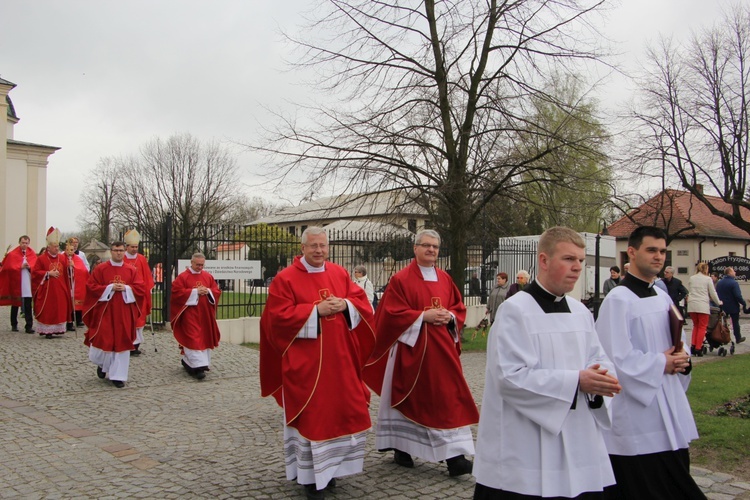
(382, 255)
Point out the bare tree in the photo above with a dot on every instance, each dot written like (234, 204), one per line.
(433, 95)
(196, 183)
(99, 199)
(692, 116)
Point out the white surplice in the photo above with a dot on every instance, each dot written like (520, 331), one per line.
(530, 440)
(652, 414)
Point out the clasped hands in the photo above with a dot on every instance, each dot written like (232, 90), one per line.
(202, 290)
(438, 317)
(677, 361)
(331, 305)
(595, 380)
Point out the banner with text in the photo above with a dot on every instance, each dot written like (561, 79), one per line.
(228, 269)
(741, 266)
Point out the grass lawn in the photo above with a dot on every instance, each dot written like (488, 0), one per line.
(476, 344)
(232, 305)
(724, 443)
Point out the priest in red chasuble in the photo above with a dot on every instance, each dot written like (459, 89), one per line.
(111, 313)
(316, 335)
(15, 282)
(132, 257)
(195, 296)
(50, 285)
(426, 406)
(79, 279)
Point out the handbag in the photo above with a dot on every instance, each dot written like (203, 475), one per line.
(720, 333)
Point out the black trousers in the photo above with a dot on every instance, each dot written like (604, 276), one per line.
(27, 313)
(736, 325)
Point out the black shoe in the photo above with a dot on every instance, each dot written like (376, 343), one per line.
(135, 352)
(49, 336)
(200, 374)
(99, 372)
(13, 328)
(403, 459)
(118, 383)
(331, 484)
(740, 340)
(80, 324)
(458, 466)
(70, 328)
(313, 493)
(187, 368)
(30, 330)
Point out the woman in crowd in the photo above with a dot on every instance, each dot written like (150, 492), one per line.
(702, 290)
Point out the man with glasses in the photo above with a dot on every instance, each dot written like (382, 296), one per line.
(316, 333)
(426, 406)
(111, 312)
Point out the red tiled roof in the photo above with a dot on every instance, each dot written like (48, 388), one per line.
(674, 211)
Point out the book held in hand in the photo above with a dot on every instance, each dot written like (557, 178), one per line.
(676, 322)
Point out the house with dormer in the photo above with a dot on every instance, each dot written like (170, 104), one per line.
(695, 234)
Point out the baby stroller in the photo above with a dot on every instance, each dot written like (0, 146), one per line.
(717, 333)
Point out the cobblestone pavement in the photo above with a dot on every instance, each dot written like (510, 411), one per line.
(64, 433)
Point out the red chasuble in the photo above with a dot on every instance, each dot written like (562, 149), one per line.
(81, 277)
(428, 382)
(112, 323)
(144, 302)
(195, 326)
(318, 381)
(52, 301)
(10, 276)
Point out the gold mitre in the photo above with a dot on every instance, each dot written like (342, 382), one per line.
(53, 236)
(132, 237)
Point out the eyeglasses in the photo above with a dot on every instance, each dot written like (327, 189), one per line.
(428, 246)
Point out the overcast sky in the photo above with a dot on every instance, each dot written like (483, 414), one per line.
(100, 78)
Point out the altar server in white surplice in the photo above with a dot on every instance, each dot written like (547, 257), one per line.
(652, 422)
(547, 389)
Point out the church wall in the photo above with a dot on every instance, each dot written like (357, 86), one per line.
(15, 203)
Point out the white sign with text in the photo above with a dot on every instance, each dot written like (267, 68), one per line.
(227, 269)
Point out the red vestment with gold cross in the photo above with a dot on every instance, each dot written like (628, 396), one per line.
(112, 322)
(318, 381)
(429, 387)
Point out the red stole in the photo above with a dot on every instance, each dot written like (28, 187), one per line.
(10, 276)
(194, 327)
(428, 383)
(318, 381)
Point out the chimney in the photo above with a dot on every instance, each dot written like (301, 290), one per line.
(699, 188)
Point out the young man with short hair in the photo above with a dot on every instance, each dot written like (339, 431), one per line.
(652, 422)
